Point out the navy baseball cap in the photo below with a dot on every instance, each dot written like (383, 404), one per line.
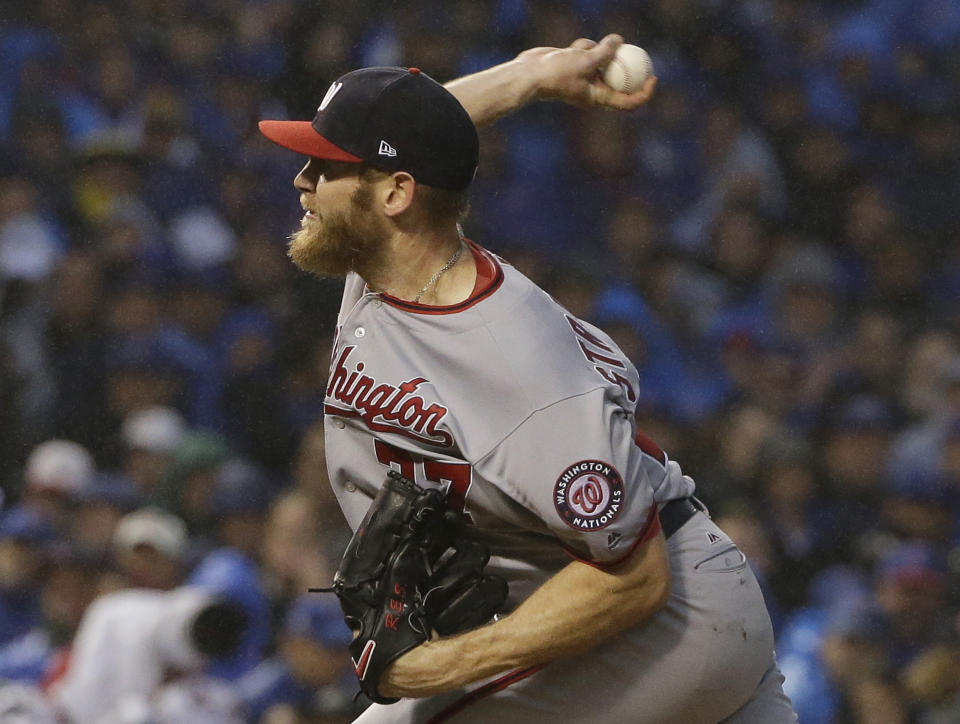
(394, 119)
(25, 524)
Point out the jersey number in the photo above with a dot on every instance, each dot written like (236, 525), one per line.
(455, 478)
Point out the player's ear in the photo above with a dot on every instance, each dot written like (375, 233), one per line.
(398, 193)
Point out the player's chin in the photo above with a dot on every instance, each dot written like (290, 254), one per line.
(309, 252)
(300, 240)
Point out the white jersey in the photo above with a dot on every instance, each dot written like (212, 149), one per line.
(523, 412)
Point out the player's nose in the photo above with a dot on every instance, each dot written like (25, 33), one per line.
(304, 182)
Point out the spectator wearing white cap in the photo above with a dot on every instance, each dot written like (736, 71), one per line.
(151, 548)
(55, 474)
(151, 436)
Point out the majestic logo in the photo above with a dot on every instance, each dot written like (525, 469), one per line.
(387, 150)
(331, 92)
(589, 495)
(713, 538)
(385, 407)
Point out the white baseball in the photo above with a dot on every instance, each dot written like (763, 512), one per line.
(628, 70)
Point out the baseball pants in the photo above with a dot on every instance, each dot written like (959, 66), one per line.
(705, 658)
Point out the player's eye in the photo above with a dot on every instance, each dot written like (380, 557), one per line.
(334, 170)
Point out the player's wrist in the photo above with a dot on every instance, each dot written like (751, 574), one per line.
(523, 80)
(532, 79)
(555, 74)
(429, 669)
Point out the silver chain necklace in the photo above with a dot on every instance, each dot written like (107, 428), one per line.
(450, 262)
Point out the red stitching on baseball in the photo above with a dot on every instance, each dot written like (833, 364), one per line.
(627, 79)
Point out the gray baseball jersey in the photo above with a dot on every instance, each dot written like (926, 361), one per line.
(525, 412)
(525, 415)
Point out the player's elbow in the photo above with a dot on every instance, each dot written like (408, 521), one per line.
(661, 592)
(647, 586)
(642, 603)
(650, 595)
(659, 577)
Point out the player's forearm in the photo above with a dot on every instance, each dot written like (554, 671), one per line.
(547, 626)
(550, 624)
(495, 92)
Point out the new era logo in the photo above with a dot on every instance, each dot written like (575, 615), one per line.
(387, 150)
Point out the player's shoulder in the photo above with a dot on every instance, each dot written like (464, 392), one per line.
(518, 298)
(547, 348)
(523, 309)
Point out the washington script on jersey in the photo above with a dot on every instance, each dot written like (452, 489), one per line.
(384, 407)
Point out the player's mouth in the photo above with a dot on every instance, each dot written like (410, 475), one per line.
(308, 215)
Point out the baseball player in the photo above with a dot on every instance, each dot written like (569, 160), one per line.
(626, 604)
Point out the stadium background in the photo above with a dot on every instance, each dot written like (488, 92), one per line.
(774, 241)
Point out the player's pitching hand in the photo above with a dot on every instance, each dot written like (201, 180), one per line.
(573, 74)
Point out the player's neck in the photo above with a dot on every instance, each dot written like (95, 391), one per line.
(436, 269)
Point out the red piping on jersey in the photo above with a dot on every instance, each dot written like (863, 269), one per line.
(489, 279)
(651, 527)
(491, 687)
(650, 447)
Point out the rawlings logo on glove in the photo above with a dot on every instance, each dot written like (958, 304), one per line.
(408, 572)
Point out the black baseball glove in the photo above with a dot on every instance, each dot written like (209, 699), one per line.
(409, 572)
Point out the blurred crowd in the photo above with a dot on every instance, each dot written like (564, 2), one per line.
(773, 241)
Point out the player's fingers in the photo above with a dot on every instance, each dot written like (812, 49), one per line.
(611, 39)
(602, 95)
(602, 53)
(583, 43)
(597, 94)
(634, 100)
(630, 101)
(645, 93)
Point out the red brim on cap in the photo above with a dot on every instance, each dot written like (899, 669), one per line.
(301, 137)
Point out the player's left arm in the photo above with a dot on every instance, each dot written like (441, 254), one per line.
(569, 74)
(579, 607)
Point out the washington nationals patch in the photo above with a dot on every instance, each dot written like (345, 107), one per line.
(589, 495)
